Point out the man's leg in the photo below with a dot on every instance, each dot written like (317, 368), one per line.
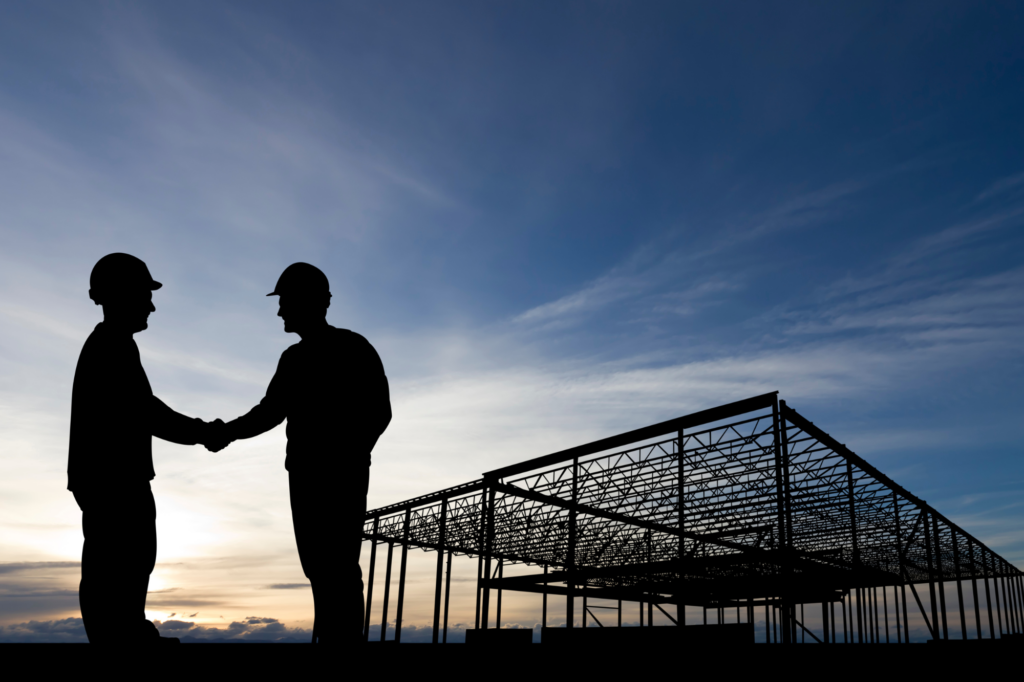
(117, 558)
(328, 527)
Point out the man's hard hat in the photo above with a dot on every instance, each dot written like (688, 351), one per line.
(302, 279)
(119, 273)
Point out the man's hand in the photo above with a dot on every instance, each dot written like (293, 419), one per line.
(217, 436)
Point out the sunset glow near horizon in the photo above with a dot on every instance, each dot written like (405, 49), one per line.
(554, 221)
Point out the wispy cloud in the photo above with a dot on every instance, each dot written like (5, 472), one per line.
(1002, 186)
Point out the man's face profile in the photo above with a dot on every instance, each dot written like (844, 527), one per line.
(299, 312)
(129, 310)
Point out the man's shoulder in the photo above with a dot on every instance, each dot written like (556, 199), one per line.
(102, 343)
(348, 336)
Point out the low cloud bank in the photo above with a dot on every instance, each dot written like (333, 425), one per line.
(71, 630)
(251, 629)
(67, 630)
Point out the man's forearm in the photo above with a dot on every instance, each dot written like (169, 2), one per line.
(175, 427)
(259, 419)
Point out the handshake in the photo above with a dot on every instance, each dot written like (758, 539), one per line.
(215, 435)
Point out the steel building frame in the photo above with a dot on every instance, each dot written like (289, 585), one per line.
(745, 505)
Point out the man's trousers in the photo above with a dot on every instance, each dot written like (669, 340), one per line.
(118, 557)
(327, 512)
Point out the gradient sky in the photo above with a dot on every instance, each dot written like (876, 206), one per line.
(554, 220)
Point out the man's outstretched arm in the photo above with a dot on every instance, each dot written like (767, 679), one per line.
(175, 427)
(266, 415)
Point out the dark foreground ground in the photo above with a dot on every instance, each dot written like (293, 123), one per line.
(524, 662)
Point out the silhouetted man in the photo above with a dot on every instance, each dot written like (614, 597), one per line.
(331, 388)
(114, 416)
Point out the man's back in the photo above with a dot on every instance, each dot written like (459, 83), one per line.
(332, 389)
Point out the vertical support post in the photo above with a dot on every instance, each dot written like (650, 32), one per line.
(482, 544)
(1014, 598)
(501, 574)
(846, 636)
(906, 619)
(440, 570)
(584, 591)
(369, 580)
(485, 617)
(959, 584)
(832, 618)
(995, 586)
(974, 588)
(479, 574)
(988, 599)
(1013, 615)
(896, 613)
(1020, 602)
(650, 614)
(544, 607)
(899, 559)
(447, 595)
(782, 493)
(401, 577)
(941, 576)
(1020, 598)
(387, 593)
(767, 624)
(869, 603)
(860, 620)
(885, 613)
(1011, 626)
(570, 607)
(931, 578)
(681, 477)
(878, 621)
(620, 613)
(874, 615)
(853, 538)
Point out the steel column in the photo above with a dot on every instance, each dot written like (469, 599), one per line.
(447, 595)
(885, 612)
(974, 588)
(906, 619)
(782, 492)
(401, 577)
(501, 574)
(440, 570)
(941, 575)
(570, 607)
(544, 606)
(369, 580)
(485, 618)
(988, 608)
(387, 593)
(959, 586)
(931, 579)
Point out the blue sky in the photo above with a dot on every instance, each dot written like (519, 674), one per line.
(555, 221)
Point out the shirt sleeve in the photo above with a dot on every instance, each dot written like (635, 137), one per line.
(375, 410)
(270, 412)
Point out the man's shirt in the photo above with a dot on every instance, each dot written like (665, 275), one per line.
(114, 415)
(332, 389)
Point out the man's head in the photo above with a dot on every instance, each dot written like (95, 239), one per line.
(305, 297)
(123, 286)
